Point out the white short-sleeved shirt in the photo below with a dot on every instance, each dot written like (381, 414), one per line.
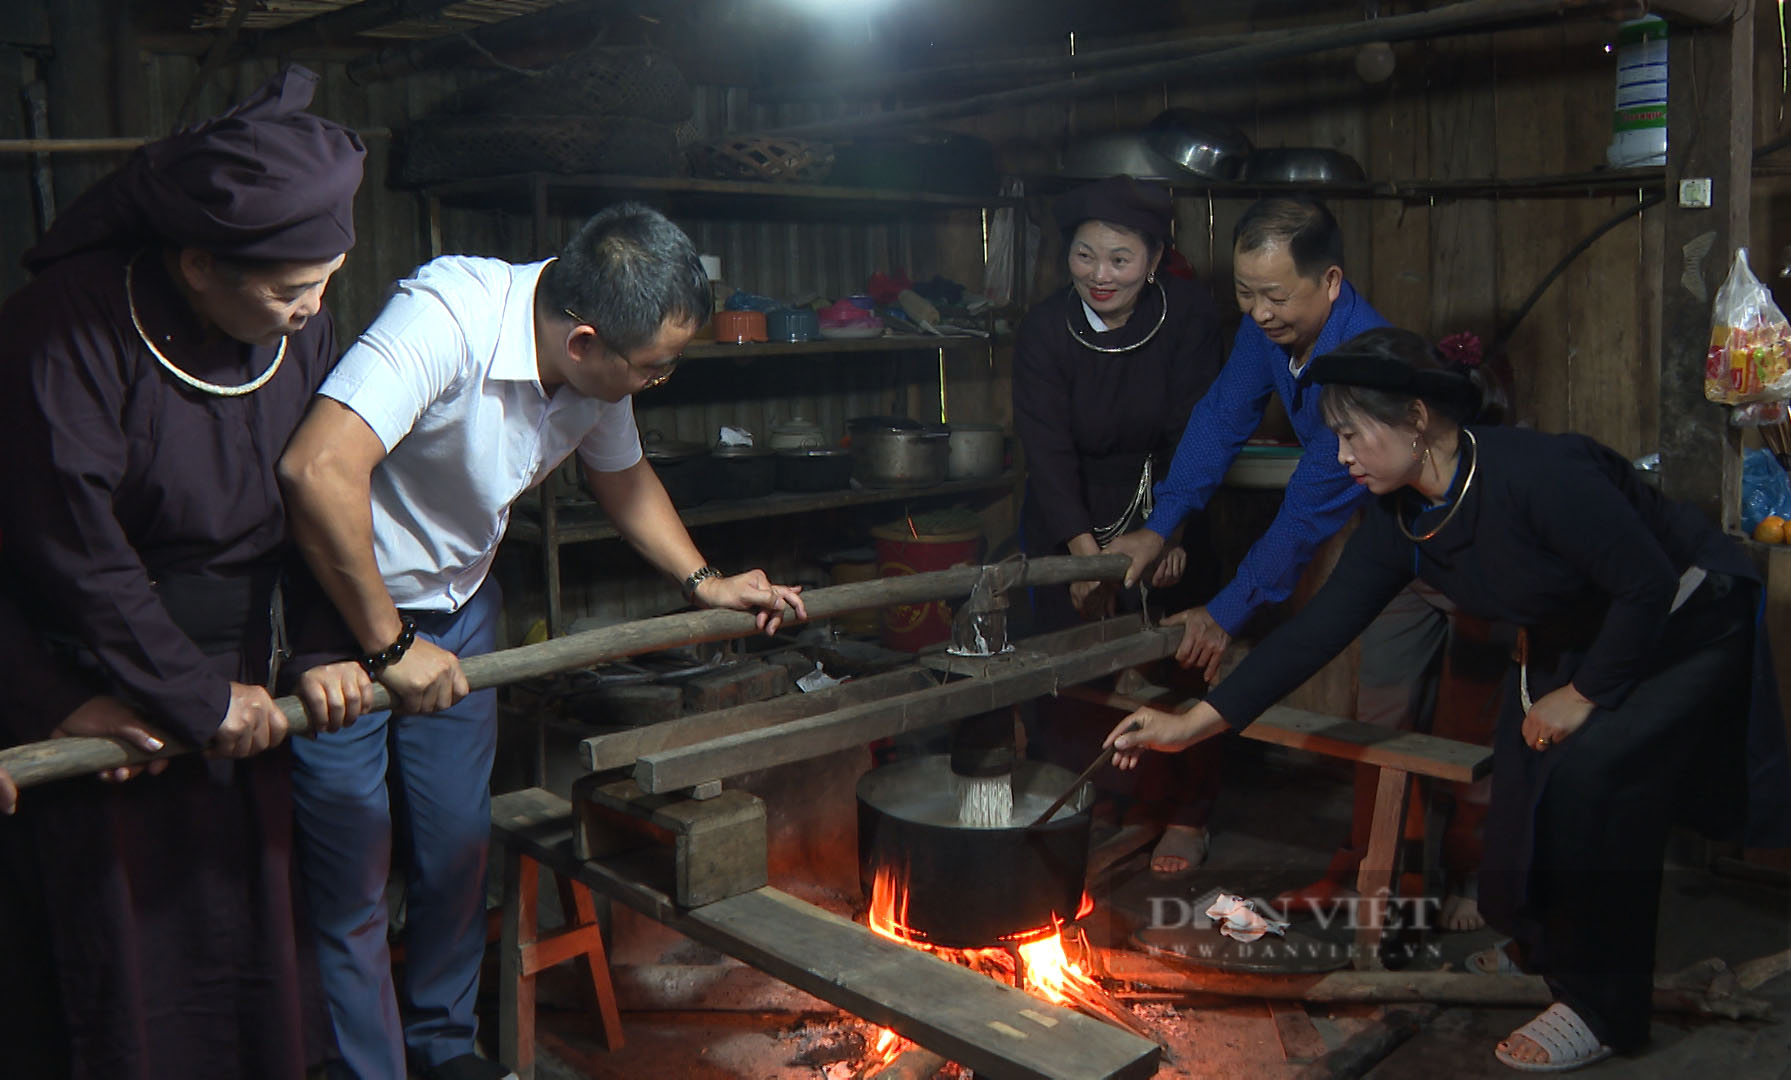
(446, 377)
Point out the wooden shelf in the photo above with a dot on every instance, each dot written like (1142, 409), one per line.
(886, 343)
(1599, 182)
(583, 521)
(753, 198)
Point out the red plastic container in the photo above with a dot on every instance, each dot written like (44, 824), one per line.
(911, 627)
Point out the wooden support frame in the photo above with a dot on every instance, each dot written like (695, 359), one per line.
(1333, 736)
(1119, 644)
(525, 953)
(1398, 755)
(997, 1030)
(718, 841)
(621, 749)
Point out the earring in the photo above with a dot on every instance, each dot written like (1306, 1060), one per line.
(1415, 454)
(1150, 278)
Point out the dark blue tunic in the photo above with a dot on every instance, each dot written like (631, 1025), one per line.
(162, 905)
(1558, 535)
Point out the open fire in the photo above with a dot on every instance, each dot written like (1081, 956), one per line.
(1033, 960)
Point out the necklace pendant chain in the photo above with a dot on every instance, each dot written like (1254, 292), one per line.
(216, 389)
(1473, 467)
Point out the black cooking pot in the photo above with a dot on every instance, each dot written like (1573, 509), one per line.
(819, 469)
(968, 887)
(744, 472)
(683, 468)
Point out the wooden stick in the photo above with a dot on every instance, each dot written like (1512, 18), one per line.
(60, 759)
(915, 1063)
(1370, 1046)
(1101, 759)
(115, 144)
(1394, 987)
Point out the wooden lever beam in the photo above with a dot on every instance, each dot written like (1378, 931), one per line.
(60, 759)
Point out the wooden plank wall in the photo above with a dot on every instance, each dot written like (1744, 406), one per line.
(1511, 104)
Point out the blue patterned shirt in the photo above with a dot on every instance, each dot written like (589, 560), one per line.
(1321, 496)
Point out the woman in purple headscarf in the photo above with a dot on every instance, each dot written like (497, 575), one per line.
(149, 376)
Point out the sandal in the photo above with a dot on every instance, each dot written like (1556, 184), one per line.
(1495, 960)
(1562, 1035)
(1184, 843)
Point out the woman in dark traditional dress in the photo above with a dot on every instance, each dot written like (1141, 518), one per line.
(1635, 705)
(1105, 375)
(150, 375)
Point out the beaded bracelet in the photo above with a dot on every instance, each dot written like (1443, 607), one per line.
(374, 663)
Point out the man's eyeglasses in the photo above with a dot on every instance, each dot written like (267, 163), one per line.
(653, 375)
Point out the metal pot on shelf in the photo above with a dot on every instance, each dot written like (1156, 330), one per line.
(894, 452)
(796, 434)
(744, 472)
(683, 467)
(820, 468)
(975, 452)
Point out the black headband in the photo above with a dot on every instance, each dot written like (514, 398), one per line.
(1379, 372)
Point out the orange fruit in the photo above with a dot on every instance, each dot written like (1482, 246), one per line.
(1771, 531)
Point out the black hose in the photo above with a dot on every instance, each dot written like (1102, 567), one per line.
(1510, 326)
(1653, 198)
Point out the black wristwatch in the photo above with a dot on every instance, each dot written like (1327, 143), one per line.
(374, 663)
(696, 579)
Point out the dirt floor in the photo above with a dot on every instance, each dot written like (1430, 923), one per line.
(1275, 826)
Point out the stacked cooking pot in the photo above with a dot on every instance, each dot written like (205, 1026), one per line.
(797, 456)
(894, 451)
(806, 461)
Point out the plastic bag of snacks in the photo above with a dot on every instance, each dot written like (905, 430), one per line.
(1750, 341)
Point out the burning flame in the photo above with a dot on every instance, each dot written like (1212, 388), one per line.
(1043, 968)
(889, 1046)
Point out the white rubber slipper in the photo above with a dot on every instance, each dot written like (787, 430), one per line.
(1562, 1035)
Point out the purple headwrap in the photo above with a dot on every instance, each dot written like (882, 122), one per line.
(265, 180)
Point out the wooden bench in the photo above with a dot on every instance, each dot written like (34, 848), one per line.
(969, 1018)
(1397, 754)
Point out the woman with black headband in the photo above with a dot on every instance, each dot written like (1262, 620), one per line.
(1627, 711)
(1105, 375)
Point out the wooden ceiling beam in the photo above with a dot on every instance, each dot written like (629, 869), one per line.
(555, 23)
(334, 28)
(1466, 16)
(1701, 12)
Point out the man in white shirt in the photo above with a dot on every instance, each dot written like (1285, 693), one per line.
(477, 379)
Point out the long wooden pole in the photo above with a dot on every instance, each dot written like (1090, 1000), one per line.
(60, 759)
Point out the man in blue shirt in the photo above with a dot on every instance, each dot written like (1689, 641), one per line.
(1288, 272)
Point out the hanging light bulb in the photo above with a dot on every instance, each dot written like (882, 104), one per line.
(1375, 62)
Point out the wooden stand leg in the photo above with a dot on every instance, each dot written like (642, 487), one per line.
(1374, 880)
(516, 991)
(526, 952)
(600, 995)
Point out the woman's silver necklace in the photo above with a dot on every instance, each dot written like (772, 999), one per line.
(1162, 315)
(1473, 465)
(201, 385)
